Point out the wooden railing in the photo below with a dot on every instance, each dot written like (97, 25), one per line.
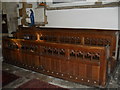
(74, 37)
(76, 56)
(83, 64)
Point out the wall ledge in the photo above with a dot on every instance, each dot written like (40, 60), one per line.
(96, 5)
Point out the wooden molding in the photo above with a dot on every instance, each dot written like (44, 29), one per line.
(96, 5)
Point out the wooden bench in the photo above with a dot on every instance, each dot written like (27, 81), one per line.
(86, 37)
(74, 55)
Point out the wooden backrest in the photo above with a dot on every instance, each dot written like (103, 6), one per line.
(92, 59)
(72, 36)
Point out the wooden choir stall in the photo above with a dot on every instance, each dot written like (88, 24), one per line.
(86, 56)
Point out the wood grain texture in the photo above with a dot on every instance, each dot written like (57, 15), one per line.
(74, 55)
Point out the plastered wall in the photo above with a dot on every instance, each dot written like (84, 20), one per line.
(100, 18)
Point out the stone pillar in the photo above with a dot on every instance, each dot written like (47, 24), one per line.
(10, 8)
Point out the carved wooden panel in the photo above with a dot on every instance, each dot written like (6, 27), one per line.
(78, 63)
(88, 37)
(74, 55)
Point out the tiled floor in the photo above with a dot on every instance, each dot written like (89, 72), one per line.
(27, 75)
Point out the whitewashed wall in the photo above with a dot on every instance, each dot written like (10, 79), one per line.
(100, 18)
